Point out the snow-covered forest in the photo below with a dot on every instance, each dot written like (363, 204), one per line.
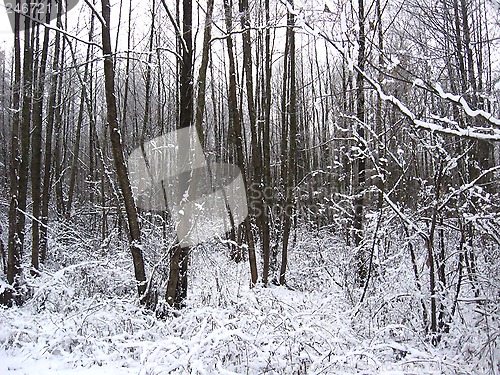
(250, 187)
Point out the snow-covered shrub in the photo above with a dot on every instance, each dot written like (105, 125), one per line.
(84, 314)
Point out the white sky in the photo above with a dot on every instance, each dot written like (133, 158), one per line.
(75, 18)
(141, 22)
(5, 30)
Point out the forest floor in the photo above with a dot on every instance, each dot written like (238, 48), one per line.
(82, 319)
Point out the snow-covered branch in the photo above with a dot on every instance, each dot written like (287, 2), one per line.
(460, 100)
(405, 218)
(487, 134)
(468, 186)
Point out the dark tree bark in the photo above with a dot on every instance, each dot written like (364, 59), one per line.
(127, 67)
(483, 150)
(36, 153)
(235, 120)
(117, 149)
(290, 177)
(266, 148)
(47, 165)
(147, 105)
(58, 152)
(360, 114)
(248, 70)
(25, 130)
(81, 110)
(202, 73)
(177, 281)
(13, 246)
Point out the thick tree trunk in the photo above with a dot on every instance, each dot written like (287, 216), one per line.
(178, 275)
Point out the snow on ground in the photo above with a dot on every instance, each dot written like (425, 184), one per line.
(267, 331)
(82, 319)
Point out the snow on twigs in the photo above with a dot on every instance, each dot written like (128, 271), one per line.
(84, 319)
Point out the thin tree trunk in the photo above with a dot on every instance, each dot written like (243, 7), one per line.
(432, 262)
(25, 130)
(482, 152)
(36, 154)
(13, 246)
(202, 73)
(360, 113)
(238, 135)
(127, 67)
(290, 177)
(76, 148)
(418, 283)
(266, 148)
(178, 274)
(248, 70)
(52, 104)
(117, 149)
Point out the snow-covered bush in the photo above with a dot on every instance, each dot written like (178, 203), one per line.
(84, 316)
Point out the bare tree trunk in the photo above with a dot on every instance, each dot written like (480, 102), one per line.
(58, 171)
(178, 275)
(360, 113)
(266, 149)
(13, 247)
(379, 124)
(52, 104)
(117, 149)
(76, 148)
(36, 153)
(3, 255)
(248, 69)
(25, 129)
(482, 153)
(255, 160)
(238, 135)
(432, 262)
(127, 68)
(290, 177)
(418, 283)
(202, 73)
